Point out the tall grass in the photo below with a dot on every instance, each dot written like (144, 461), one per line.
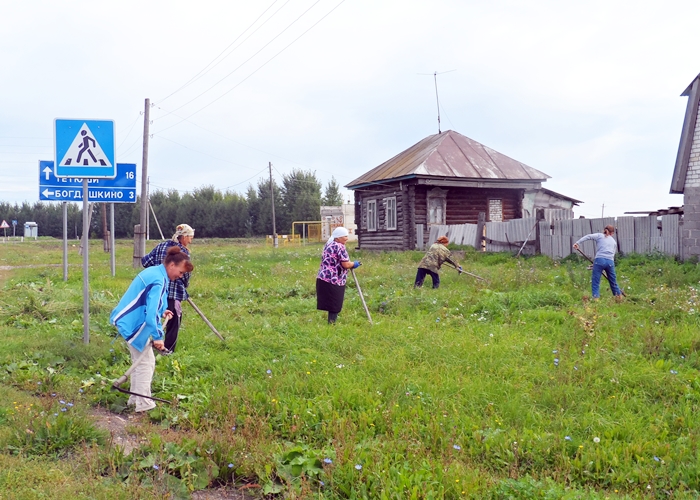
(515, 388)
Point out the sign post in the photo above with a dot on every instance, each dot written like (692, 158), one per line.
(84, 149)
(4, 226)
(14, 226)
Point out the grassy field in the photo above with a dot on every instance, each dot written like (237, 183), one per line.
(517, 388)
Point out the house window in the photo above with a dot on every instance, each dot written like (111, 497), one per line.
(372, 215)
(391, 213)
(437, 203)
(495, 210)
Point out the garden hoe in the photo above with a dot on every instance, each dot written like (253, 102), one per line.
(359, 290)
(470, 274)
(604, 273)
(201, 315)
(117, 383)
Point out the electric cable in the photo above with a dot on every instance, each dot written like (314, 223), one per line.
(251, 57)
(206, 154)
(254, 72)
(206, 68)
(130, 128)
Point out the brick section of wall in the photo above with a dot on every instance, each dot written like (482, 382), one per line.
(692, 178)
(690, 230)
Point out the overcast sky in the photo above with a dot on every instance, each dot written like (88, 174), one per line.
(587, 92)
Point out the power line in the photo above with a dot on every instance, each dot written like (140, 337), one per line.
(251, 57)
(130, 128)
(205, 154)
(213, 132)
(206, 68)
(259, 68)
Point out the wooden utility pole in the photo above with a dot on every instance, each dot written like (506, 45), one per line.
(272, 198)
(144, 188)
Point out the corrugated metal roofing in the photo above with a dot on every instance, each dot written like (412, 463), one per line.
(452, 155)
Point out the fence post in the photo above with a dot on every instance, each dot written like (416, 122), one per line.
(480, 240)
(539, 215)
(137, 246)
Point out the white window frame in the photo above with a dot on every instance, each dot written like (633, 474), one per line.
(372, 215)
(390, 215)
(439, 196)
(500, 203)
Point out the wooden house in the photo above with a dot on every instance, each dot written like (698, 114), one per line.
(446, 178)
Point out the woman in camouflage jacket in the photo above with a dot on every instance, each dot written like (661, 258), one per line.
(432, 261)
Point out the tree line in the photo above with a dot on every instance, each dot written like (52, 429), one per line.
(213, 213)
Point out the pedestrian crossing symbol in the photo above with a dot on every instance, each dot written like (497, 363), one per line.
(84, 148)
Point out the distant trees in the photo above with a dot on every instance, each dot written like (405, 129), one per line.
(211, 212)
(332, 196)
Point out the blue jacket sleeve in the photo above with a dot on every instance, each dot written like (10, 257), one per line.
(156, 304)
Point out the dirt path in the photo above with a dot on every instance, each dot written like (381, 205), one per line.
(117, 425)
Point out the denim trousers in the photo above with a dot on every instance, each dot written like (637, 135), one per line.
(607, 265)
(420, 276)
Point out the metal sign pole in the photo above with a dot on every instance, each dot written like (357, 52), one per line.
(65, 241)
(86, 280)
(113, 251)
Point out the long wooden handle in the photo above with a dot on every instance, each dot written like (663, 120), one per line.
(362, 298)
(204, 318)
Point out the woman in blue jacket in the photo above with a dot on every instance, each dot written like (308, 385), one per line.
(137, 318)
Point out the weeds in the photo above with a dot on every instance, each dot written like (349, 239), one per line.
(515, 389)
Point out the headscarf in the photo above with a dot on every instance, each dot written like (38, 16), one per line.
(443, 240)
(182, 230)
(338, 232)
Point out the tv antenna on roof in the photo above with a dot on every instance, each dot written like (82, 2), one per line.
(437, 99)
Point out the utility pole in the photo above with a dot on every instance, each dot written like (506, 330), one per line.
(272, 199)
(602, 211)
(148, 219)
(144, 182)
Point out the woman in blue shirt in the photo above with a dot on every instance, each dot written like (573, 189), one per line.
(606, 246)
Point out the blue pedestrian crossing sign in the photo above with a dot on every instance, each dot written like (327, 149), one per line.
(84, 148)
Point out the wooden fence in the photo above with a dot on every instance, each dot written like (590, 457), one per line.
(557, 236)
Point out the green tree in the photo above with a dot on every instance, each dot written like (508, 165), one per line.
(301, 198)
(332, 196)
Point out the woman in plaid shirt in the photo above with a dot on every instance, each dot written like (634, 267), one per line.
(177, 290)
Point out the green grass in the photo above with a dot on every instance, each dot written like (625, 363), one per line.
(516, 388)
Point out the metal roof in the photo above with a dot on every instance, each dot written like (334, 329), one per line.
(687, 136)
(451, 155)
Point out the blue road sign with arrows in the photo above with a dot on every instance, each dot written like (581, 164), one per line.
(121, 189)
(84, 148)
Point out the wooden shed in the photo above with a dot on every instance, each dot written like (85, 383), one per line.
(446, 178)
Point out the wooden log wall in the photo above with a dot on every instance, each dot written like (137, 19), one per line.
(464, 205)
(383, 238)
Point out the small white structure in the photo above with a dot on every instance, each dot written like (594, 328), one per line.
(31, 230)
(343, 215)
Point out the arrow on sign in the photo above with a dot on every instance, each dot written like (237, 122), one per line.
(47, 193)
(47, 171)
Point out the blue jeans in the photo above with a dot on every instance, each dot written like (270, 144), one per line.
(600, 265)
(420, 276)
